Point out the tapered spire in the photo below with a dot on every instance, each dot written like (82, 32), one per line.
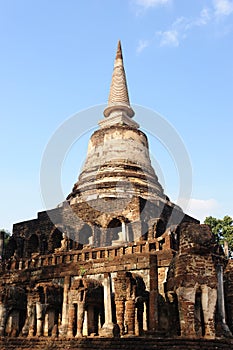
(118, 100)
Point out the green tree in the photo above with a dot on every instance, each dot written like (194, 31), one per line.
(222, 229)
(6, 235)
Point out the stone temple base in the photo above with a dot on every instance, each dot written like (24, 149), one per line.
(139, 343)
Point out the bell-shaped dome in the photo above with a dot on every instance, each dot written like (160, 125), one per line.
(118, 163)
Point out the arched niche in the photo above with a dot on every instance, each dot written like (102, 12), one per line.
(56, 238)
(33, 244)
(159, 228)
(85, 235)
(114, 231)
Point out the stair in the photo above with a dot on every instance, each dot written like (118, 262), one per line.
(114, 344)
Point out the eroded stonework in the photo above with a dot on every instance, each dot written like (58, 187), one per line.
(117, 258)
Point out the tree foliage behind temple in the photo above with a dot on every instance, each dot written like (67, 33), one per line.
(222, 229)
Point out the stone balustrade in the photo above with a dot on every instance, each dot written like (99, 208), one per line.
(86, 254)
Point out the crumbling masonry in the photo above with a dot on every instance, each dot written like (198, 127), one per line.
(117, 258)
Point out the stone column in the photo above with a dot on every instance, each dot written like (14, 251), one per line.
(107, 329)
(120, 311)
(65, 306)
(32, 320)
(85, 324)
(29, 319)
(3, 315)
(99, 322)
(80, 319)
(153, 300)
(46, 325)
(130, 316)
(137, 327)
(107, 299)
(71, 316)
(123, 228)
(221, 300)
(39, 319)
(8, 329)
(145, 328)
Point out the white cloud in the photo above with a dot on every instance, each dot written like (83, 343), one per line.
(181, 28)
(169, 38)
(204, 17)
(152, 3)
(223, 7)
(201, 208)
(142, 44)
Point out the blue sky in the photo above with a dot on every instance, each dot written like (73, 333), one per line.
(57, 59)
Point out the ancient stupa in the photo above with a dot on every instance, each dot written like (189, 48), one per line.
(117, 259)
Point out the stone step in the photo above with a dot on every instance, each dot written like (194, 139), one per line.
(114, 344)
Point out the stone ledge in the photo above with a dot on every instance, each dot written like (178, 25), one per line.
(139, 343)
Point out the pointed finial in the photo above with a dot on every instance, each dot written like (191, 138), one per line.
(119, 51)
(118, 101)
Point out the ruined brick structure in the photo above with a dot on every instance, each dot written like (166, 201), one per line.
(117, 258)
